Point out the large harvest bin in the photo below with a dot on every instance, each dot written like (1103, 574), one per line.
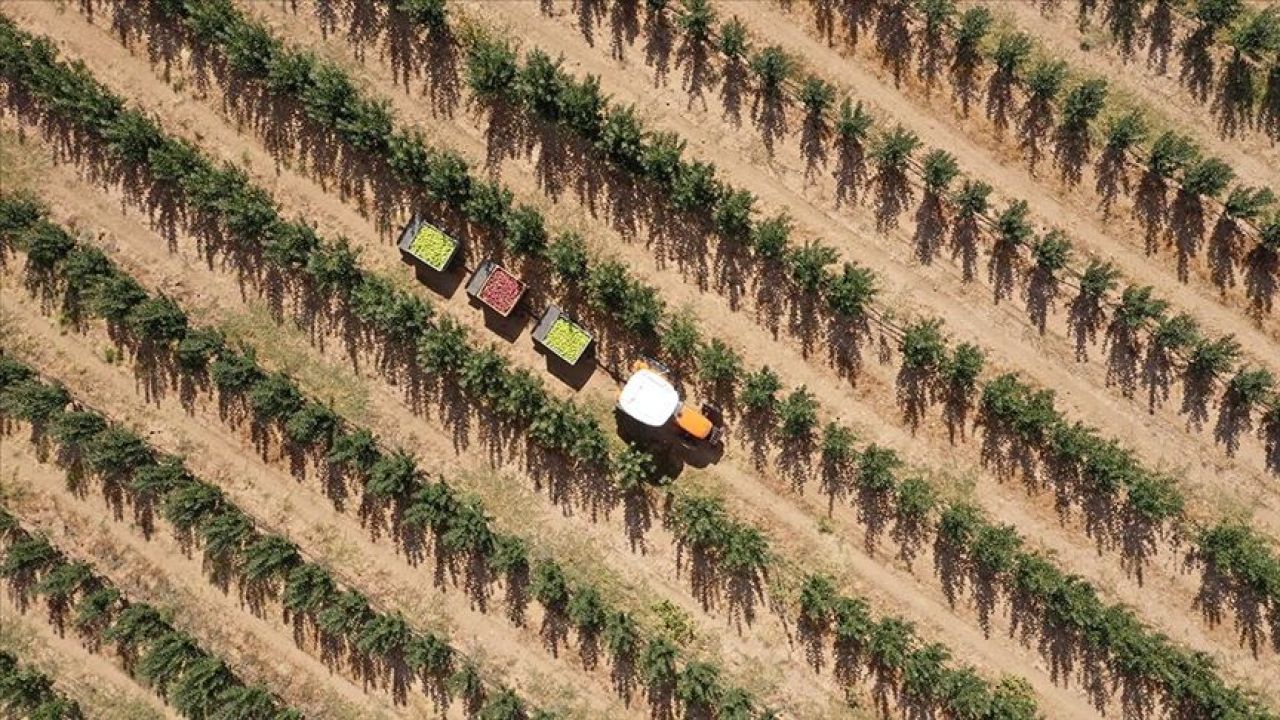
(565, 338)
(428, 244)
(496, 287)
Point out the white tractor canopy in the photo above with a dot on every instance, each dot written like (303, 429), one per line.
(649, 398)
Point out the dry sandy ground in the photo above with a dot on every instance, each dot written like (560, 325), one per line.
(230, 150)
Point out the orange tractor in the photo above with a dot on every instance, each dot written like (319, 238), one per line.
(650, 399)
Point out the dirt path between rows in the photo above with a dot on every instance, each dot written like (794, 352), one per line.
(160, 573)
(268, 493)
(1249, 151)
(94, 680)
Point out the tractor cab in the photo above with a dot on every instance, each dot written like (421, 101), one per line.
(650, 399)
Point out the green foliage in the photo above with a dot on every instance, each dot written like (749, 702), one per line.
(798, 413)
(1011, 51)
(1030, 413)
(621, 635)
(694, 187)
(853, 123)
(771, 237)
(971, 199)
(939, 169)
(503, 705)
(837, 444)
(1178, 333)
(657, 663)
(392, 476)
(890, 643)
(1171, 153)
(876, 469)
(1139, 307)
(661, 160)
(772, 67)
(733, 39)
(235, 373)
(733, 214)
(817, 96)
(567, 254)
(1258, 34)
(526, 234)
(970, 31)
(1099, 279)
(1250, 386)
(548, 585)
(1052, 251)
(718, 363)
(1248, 203)
(915, 498)
(1126, 131)
(923, 345)
(1207, 177)
(633, 467)
(760, 390)
(622, 138)
(491, 68)
(807, 264)
(939, 16)
(1210, 359)
(681, 338)
(274, 398)
(1045, 79)
(33, 401)
(1012, 225)
(586, 610)
(269, 558)
(851, 291)
(1214, 14)
(1083, 103)
(892, 150)
(697, 20)
(698, 685)
(431, 13)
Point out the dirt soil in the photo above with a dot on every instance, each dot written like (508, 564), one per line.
(893, 585)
